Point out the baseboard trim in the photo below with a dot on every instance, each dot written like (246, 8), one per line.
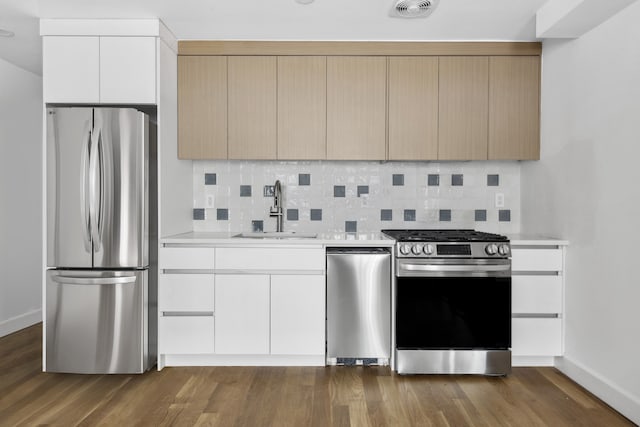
(22, 321)
(616, 397)
(528, 361)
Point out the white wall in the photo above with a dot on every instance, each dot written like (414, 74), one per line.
(20, 198)
(586, 188)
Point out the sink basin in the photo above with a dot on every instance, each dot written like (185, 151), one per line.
(276, 235)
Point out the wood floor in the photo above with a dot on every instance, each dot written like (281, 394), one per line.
(332, 396)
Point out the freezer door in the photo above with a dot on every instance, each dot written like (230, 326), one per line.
(68, 228)
(120, 182)
(96, 322)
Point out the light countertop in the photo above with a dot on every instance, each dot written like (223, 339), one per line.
(324, 239)
(535, 240)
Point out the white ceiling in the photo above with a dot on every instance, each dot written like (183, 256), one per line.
(274, 20)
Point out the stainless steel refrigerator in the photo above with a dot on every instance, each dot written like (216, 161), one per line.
(101, 281)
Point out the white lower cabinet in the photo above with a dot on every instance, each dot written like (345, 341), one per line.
(298, 314)
(537, 303)
(242, 314)
(241, 306)
(180, 334)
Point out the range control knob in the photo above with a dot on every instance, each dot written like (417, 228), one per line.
(504, 250)
(491, 249)
(428, 249)
(405, 249)
(417, 249)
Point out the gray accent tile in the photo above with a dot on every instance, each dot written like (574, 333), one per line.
(222, 214)
(409, 214)
(339, 191)
(457, 179)
(198, 214)
(245, 191)
(363, 189)
(304, 179)
(398, 179)
(351, 226)
(316, 214)
(386, 214)
(257, 226)
(433, 180)
(210, 179)
(268, 190)
(292, 214)
(481, 215)
(504, 215)
(493, 180)
(445, 215)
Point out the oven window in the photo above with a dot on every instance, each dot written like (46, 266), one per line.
(453, 313)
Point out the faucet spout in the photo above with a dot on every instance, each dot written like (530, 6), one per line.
(276, 210)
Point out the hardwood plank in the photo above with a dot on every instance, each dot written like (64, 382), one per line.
(289, 396)
(215, 47)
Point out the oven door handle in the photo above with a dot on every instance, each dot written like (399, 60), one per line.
(455, 268)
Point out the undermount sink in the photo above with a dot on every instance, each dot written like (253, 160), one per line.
(276, 235)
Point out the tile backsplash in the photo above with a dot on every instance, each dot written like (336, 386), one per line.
(326, 196)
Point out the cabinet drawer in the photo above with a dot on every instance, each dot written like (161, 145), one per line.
(536, 337)
(186, 258)
(536, 259)
(186, 335)
(536, 294)
(186, 292)
(270, 259)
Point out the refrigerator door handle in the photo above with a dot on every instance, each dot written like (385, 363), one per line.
(67, 280)
(95, 188)
(85, 207)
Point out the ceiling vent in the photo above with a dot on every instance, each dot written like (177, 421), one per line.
(413, 8)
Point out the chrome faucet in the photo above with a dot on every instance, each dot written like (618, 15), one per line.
(276, 209)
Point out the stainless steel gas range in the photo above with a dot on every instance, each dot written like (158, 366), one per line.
(452, 302)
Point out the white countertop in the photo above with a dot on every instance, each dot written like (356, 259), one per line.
(324, 239)
(535, 240)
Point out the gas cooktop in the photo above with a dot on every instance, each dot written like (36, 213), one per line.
(449, 244)
(436, 235)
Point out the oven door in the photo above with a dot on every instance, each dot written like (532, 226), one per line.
(453, 304)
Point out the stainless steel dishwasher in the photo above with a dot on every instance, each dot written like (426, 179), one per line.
(358, 304)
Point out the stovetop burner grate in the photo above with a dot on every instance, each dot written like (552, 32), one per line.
(444, 235)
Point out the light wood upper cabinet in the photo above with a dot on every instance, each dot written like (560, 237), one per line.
(514, 108)
(202, 107)
(413, 108)
(302, 107)
(356, 108)
(252, 107)
(463, 108)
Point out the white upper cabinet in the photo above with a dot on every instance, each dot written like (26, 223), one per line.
(71, 69)
(98, 69)
(128, 70)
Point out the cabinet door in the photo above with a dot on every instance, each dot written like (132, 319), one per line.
(356, 108)
(413, 108)
(463, 110)
(297, 314)
(252, 107)
(242, 314)
(128, 70)
(302, 107)
(186, 335)
(514, 108)
(71, 67)
(202, 107)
